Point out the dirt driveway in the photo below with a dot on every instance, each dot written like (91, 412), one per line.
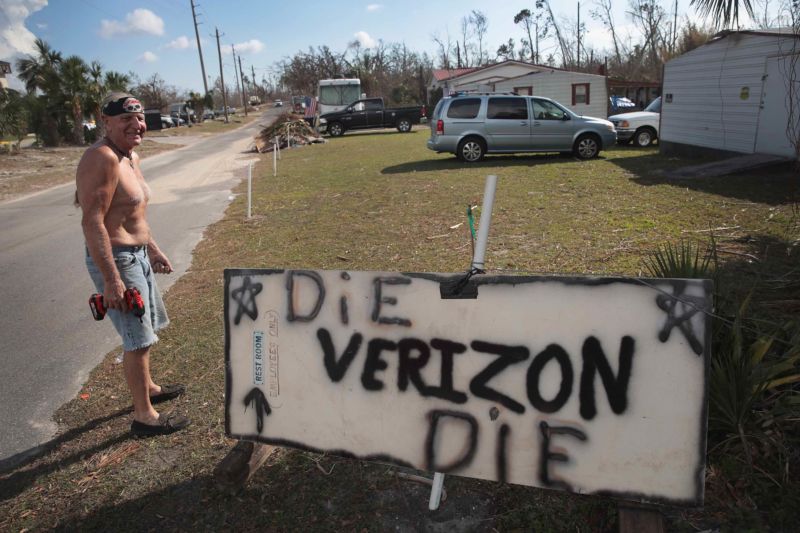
(35, 169)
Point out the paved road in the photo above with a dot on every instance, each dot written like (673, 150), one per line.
(49, 341)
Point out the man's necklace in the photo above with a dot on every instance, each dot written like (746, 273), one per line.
(119, 152)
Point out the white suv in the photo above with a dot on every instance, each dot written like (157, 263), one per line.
(639, 126)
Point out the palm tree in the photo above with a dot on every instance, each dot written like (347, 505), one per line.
(75, 87)
(40, 74)
(95, 90)
(116, 81)
(724, 12)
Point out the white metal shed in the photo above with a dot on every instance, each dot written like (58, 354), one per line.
(732, 94)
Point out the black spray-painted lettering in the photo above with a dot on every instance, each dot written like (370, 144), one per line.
(468, 454)
(374, 363)
(594, 359)
(545, 455)
(343, 302)
(507, 356)
(261, 405)
(445, 389)
(502, 453)
(245, 296)
(415, 354)
(409, 367)
(338, 368)
(343, 310)
(291, 315)
(553, 351)
(380, 299)
(689, 306)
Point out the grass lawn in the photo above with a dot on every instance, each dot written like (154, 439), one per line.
(382, 201)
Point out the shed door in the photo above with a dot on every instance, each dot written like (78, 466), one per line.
(773, 119)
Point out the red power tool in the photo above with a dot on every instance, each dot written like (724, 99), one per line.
(132, 298)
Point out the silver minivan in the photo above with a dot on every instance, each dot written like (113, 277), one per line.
(472, 125)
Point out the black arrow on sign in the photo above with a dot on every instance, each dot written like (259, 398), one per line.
(261, 405)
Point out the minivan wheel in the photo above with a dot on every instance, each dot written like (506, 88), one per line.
(644, 137)
(404, 126)
(336, 129)
(586, 147)
(471, 150)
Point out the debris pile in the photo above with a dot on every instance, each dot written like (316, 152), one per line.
(286, 130)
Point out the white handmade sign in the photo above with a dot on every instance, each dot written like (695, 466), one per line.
(590, 385)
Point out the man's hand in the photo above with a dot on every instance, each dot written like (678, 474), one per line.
(160, 263)
(114, 296)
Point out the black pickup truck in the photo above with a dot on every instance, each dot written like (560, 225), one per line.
(370, 113)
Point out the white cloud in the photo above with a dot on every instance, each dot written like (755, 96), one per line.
(365, 40)
(16, 41)
(147, 57)
(253, 46)
(41, 26)
(374, 7)
(137, 21)
(181, 43)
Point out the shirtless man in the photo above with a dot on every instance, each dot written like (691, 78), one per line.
(113, 196)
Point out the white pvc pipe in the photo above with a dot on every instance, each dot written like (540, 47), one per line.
(485, 222)
(436, 491)
(275, 158)
(250, 190)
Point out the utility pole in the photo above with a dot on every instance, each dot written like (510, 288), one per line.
(222, 79)
(253, 80)
(244, 89)
(536, 28)
(674, 27)
(236, 73)
(199, 50)
(578, 56)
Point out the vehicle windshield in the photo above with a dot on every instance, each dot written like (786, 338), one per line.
(655, 106)
(339, 94)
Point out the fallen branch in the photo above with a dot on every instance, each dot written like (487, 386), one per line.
(731, 252)
(723, 228)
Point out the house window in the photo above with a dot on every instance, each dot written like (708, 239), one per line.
(580, 93)
(524, 90)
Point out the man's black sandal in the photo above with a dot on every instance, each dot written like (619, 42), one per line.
(168, 392)
(166, 425)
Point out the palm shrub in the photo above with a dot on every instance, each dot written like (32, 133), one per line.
(754, 403)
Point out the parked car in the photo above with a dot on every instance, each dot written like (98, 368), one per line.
(177, 120)
(277, 103)
(167, 122)
(209, 114)
(620, 104)
(370, 113)
(473, 125)
(641, 127)
(182, 111)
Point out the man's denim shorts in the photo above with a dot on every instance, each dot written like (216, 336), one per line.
(134, 269)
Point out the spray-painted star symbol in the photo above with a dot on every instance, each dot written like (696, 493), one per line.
(680, 309)
(245, 296)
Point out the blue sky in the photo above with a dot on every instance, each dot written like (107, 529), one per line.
(157, 36)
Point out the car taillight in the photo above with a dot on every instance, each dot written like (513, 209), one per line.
(439, 127)
(424, 112)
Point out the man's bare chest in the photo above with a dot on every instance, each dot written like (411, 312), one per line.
(132, 191)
